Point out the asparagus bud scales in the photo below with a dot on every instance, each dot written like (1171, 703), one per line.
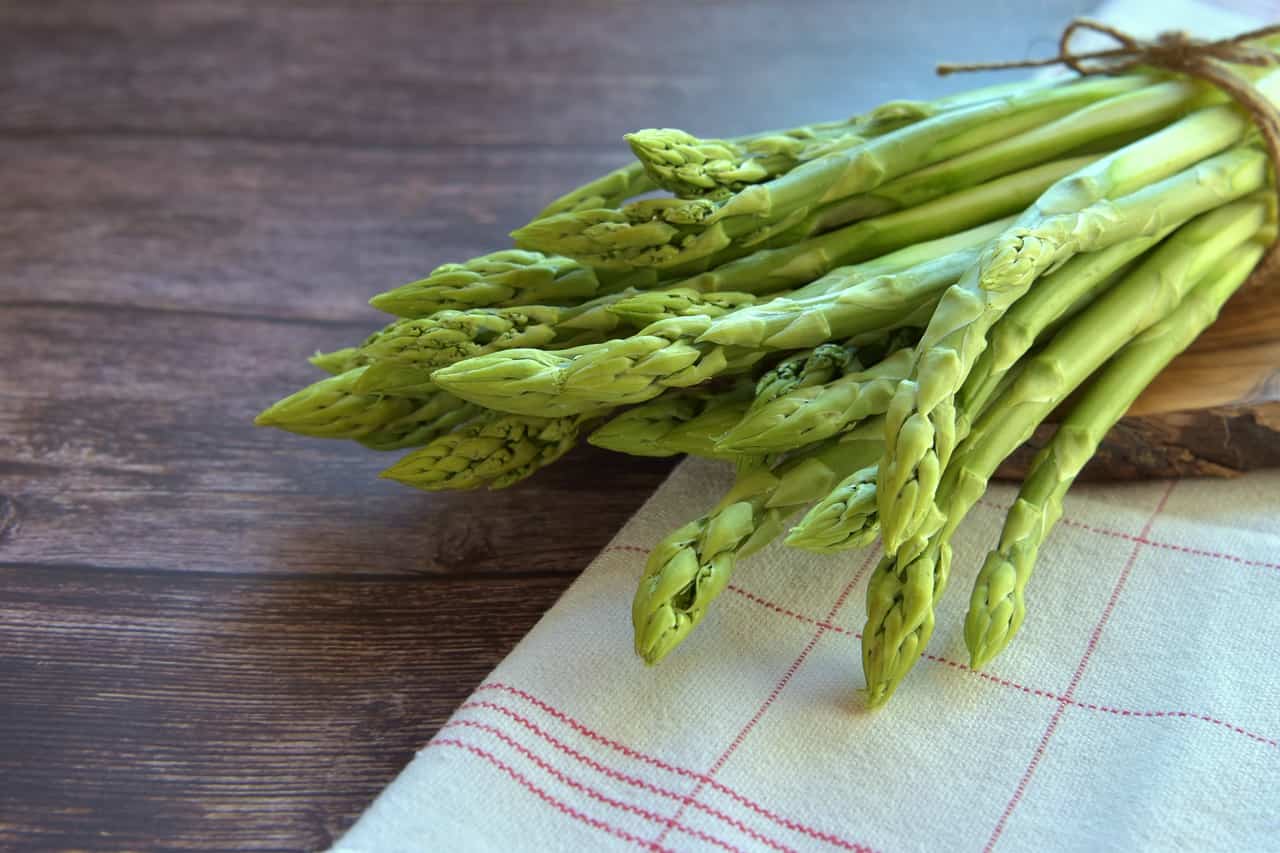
(810, 414)
(495, 449)
(689, 568)
(845, 518)
(331, 408)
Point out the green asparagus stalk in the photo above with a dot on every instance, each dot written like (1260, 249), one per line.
(438, 415)
(642, 309)
(674, 232)
(493, 450)
(691, 167)
(331, 408)
(338, 361)
(407, 351)
(997, 606)
(688, 569)
(657, 428)
(964, 215)
(922, 425)
(811, 414)
(644, 233)
(905, 587)
(805, 369)
(1062, 294)
(818, 266)
(609, 190)
(632, 180)
(672, 353)
(502, 279)
(1140, 109)
(846, 302)
(845, 518)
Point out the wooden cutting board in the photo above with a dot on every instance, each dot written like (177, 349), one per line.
(1215, 411)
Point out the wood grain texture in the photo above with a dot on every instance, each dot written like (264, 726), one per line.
(207, 712)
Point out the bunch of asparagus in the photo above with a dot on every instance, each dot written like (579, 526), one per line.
(863, 317)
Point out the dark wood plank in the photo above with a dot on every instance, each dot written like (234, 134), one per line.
(148, 711)
(555, 72)
(126, 439)
(288, 230)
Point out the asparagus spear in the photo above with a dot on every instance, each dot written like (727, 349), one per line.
(683, 351)
(641, 309)
(1140, 109)
(688, 569)
(338, 361)
(691, 167)
(609, 190)
(694, 167)
(406, 352)
(635, 369)
(811, 414)
(502, 279)
(435, 417)
(669, 424)
(331, 408)
(517, 278)
(494, 449)
(824, 264)
(904, 588)
(966, 215)
(805, 369)
(845, 518)
(631, 180)
(922, 424)
(674, 232)
(997, 606)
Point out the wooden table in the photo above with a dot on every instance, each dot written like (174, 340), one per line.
(218, 637)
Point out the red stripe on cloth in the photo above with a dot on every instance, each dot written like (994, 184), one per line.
(557, 804)
(1129, 537)
(1034, 691)
(773, 695)
(777, 608)
(1187, 715)
(1121, 712)
(746, 802)
(601, 768)
(1067, 698)
(561, 777)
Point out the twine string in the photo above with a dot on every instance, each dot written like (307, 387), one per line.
(1175, 50)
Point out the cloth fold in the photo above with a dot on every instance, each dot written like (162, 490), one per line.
(1139, 707)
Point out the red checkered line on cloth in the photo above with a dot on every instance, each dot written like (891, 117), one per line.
(586, 731)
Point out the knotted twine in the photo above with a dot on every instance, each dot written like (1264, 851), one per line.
(1179, 52)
